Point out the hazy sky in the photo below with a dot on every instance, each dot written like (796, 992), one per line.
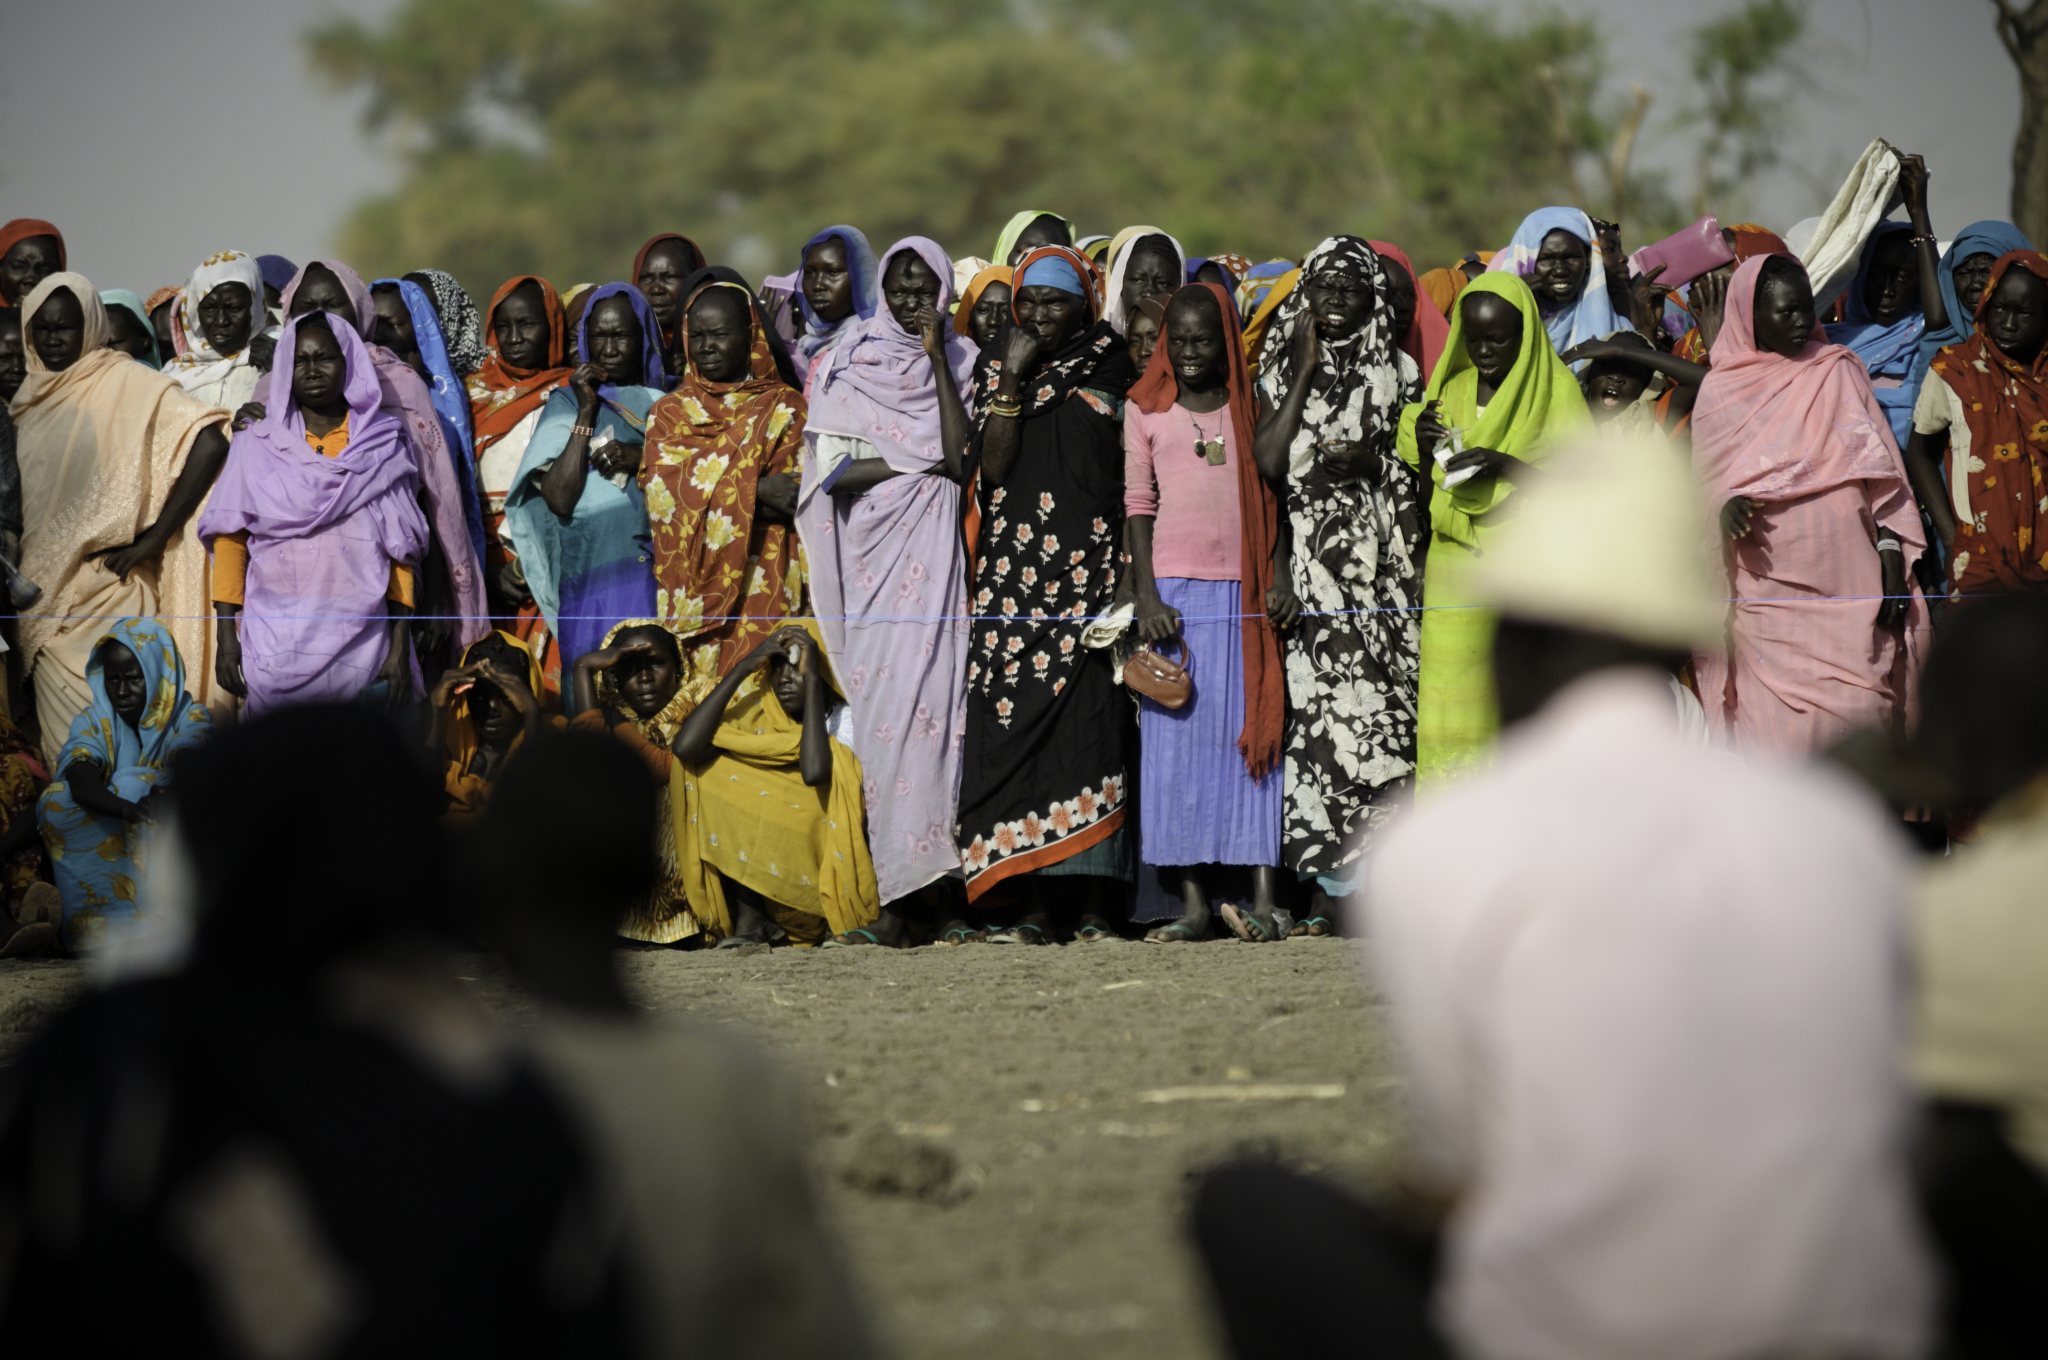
(146, 176)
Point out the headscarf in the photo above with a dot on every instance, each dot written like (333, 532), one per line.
(1993, 238)
(1775, 428)
(963, 314)
(1055, 271)
(459, 742)
(877, 383)
(697, 260)
(2006, 406)
(1441, 287)
(653, 364)
(1007, 239)
(277, 271)
(131, 304)
(778, 353)
(1120, 247)
(198, 365)
(1257, 282)
(1538, 401)
(1233, 265)
(1089, 358)
(1359, 381)
(450, 398)
(1265, 696)
(168, 293)
(1424, 342)
(1272, 293)
(574, 300)
(170, 720)
(1886, 351)
(865, 282)
(1592, 315)
(461, 328)
(500, 395)
(23, 228)
(1095, 247)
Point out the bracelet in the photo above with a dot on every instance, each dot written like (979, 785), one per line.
(1011, 410)
(1923, 241)
(1891, 545)
(585, 430)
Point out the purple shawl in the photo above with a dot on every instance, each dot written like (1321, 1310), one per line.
(404, 394)
(654, 371)
(876, 383)
(323, 534)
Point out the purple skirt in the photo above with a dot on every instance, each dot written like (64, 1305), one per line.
(1197, 804)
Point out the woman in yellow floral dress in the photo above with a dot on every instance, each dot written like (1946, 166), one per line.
(720, 477)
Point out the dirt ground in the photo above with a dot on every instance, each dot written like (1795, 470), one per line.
(1008, 1180)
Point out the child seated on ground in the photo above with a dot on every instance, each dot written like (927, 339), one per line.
(632, 687)
(97, 816)
(771, 831)
(481, 712)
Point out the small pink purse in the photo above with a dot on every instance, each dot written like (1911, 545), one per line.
(1685, 255)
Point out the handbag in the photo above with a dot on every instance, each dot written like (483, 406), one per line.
(1162, 681)
(1686, 255)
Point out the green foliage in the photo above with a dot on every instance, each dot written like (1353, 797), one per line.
(1747, 66)
(556, 135)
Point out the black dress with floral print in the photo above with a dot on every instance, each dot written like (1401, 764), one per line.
(1048, 731)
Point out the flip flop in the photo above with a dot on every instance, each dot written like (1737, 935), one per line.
(37, 937)
(1015, 935)
(742, 941)
(1090, 934)
(1173, 933)
(1246, 925)
(867, 937)
(959, 935)
(1314, 927)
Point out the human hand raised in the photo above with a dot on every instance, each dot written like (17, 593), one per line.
(1020, 353)
(1709, 302)
(931, 333)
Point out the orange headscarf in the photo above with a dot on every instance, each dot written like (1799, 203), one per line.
(21, 229)
(500, 396)
(995, 273)
(1265, 700)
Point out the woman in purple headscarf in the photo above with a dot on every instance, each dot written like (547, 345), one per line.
(316, 531)
(879, 514)
(836, 288)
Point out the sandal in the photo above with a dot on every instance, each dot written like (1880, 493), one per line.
(1246, 925)
(1173, 933)
(959, 935)
(1314, 927)
(1015, 935)
(1089, 934)
(846, 940)
(742, 941)
(37, 937)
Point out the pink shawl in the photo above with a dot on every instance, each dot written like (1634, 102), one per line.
(1427, 333)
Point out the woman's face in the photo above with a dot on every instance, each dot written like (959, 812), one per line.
(321, 290)
(646, 680)
(1493, 335)
(827, 282)
(721, 338)
(2017, 318)
(394, 322)
(496, 717)
(1784, 313)
(1194, 345)
(127, 334)
(1971, 277)
(13, 355)
(1142, 335)
(127, 691)
(1341, 301)
(1560, 273)
(57, 330)
(520, 326)
(1051, 314)
(616, 344)
(1400, 295)
(989, 309)
(27, 263)
(1892, 288)
(788, 684)
(1042, 230)
(1150, 269)
(225, 315)
(319, 371)
(661, 279)
(160, 321)
(909, 285)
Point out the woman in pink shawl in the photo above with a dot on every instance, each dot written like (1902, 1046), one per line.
(1819, 527)
(879, 514)
(455, 605)
(315, 525)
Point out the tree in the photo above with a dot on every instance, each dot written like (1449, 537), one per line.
(557, 134)
(1746, 64)
(2022, 31)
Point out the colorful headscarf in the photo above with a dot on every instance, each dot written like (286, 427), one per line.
(653, 364)
(197, 365)
(1360, 382)
(500, 396)
(168, 293)
(467, 792)
(1592, 315)
(1120, 248)
(170, 721)
(866, 287)
(131, 304)
(963, 314)
(1424, 342)
(24, 228)
(451, 401)
(461, 328)
(697, 260)
(1088, 359)
(1007, 240)
(1993, 238)
(1886, 351)
(1265, 695)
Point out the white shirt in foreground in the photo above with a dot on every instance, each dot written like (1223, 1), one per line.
(1650, 999)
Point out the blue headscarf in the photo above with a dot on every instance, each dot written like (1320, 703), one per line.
(654, 373)
(1886, 351)
(1053, 272)
(1979, 238)
(277, 270)
(1592, 316)
(451, 403)
(867, 292)
(128, 302)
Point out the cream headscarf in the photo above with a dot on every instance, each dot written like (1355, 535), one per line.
(99, 446)
(1119, 260)
(221, 379)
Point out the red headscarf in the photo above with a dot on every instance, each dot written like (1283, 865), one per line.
(1751, 242)
(697, 260)
(21, 229)
(1428, 332)
(1265, 701)
(500, 396)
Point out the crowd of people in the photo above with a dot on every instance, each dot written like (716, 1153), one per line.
(1084, 590)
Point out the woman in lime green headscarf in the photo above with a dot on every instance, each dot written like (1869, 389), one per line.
(1497, 402)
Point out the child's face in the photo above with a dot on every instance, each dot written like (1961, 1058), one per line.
(1612, 388)
(646, 680)
(496, 717)
(1143, 335)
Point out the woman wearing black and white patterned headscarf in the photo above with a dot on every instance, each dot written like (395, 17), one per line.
(1333, 383)
(461, 327)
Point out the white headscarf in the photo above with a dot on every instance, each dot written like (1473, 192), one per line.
(200, 370)
(1120, 250)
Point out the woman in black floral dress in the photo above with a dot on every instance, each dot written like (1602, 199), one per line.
(1045, 785)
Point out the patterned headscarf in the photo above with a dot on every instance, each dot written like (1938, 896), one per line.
(500, 396)
(461, 328)
(170, 719)
(1361, 381)
(1095, 356)
(196, 364)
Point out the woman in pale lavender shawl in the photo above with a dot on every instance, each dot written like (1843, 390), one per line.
(331, 526)
(879, 513)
